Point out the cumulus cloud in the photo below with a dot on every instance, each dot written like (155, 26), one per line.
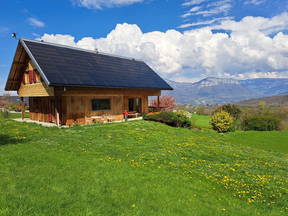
(98, 4)
(250, 24)
(247, 51)
(35, 22)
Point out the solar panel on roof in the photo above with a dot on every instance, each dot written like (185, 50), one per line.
(74, 67)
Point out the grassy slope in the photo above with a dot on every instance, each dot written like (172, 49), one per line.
(201, 120)
(270, 141)
(137, 168)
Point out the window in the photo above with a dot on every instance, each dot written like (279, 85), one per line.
(100, 104)
(32, 76)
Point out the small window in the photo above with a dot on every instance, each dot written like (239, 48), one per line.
(100, 104)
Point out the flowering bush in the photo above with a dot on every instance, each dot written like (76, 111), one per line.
(222, 121)
(184, 113)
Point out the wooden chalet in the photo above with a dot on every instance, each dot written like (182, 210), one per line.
(68, 85)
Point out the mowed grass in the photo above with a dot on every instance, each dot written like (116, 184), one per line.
(139, 168)
(202, 121)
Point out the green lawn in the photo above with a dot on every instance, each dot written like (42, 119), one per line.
(202, 121)
(140, 168)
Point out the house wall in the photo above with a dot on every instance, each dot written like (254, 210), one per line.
(42, 109)
(74, 104)
(79, 108)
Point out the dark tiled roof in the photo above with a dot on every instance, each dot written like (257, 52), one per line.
(68, 66)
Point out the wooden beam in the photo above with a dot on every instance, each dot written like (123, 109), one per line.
(158, 102)
(13, 81)
(18, 62)
(74, 91)
(22, 108)
(57, 116)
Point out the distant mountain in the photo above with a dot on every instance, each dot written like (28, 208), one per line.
(220, 90)
(270, 101)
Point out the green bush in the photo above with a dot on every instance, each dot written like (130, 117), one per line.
(260, 123)
(170, 118)
(232, 109)
(4, 114)
(222, 121)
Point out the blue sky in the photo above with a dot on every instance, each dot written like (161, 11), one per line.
(191, 50)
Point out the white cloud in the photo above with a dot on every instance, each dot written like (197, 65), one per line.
(255, 2)
(215, 10)
(35, 22)
(60, 39)
(99, 4)
(211, 8)
(206, 22)
(266, 25)
(193, 2)
(199, 53)
(3, 29)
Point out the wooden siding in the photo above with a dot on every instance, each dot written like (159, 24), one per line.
(42, 109)
(35, 90)
(78, 108)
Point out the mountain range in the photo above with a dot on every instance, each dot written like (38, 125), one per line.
(213, 90)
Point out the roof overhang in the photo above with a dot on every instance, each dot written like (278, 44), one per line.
(106, 87)
(21, 57)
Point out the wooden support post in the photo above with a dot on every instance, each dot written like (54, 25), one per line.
(22, 108)
(57, 112)
(158, 103)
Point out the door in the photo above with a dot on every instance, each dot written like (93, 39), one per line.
(135, 105)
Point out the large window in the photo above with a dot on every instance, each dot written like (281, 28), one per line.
(100, 104)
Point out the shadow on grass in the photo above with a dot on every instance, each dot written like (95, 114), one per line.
(9, 140)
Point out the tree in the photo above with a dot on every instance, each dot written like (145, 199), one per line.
(232, 109)
(200, 110)
(261, 105)
(166, 102)
(3, 103)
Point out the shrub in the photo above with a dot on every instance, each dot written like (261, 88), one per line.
(184, 113)
(170, 118)
(222, 121)
(232, 109)
(200, 110)
(4, 114)
(260, 123)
